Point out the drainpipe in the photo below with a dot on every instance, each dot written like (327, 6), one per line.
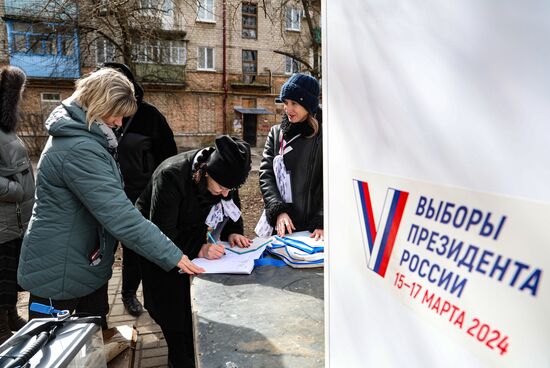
(224, 68)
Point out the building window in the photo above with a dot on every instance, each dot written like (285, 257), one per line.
(250, 65)
(250, 20)
(40, 39)
(147, 51)
(293, 19)
(148, 7)
(152, 8)
(105, 51)
(291, 65)
(44, 49)
(205, 10)
(174, 52)
(50, 97)
(205, 58)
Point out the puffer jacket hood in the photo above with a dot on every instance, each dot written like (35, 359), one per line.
(69, 120)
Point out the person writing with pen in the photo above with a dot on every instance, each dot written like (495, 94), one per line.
(188, 194)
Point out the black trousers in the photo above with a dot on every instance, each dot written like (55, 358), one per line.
(179, 355)
(9, 261)
(131, 271)
(96, 304)
(168, 300)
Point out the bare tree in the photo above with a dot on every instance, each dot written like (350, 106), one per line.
(141, 33)
(304, 47)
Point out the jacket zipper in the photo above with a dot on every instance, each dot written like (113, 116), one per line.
(19, 220)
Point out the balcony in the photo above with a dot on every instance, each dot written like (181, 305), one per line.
(161, 73)
(250, 82)
(44, 50)
(39, 9)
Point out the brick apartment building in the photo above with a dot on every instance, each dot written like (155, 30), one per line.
(209, 65)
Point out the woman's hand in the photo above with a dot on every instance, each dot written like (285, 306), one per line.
(318, 234)
(185, 265)
(284, 224)
(239, 240)
(212, 251)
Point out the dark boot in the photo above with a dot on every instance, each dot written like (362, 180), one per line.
(5, 332)
(15, 321)
(132, 304)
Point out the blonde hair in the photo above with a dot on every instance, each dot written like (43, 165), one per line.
(105, 93)
(314, 124)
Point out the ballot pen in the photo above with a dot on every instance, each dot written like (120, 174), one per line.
(211, 237)
(212, 240)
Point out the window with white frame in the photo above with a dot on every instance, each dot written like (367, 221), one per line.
(50, 97)
(168, 20)
(291, 65)
(174, 52)
(205, 60)
(250, 20)
(205, 10)
(105, 51)
(250, 65)
(293, 19)
(160, 51)
(147, 51)
(49, 101)
(149, 7)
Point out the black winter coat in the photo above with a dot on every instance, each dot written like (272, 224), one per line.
(179, 207)
(146, 142)
(305, 164)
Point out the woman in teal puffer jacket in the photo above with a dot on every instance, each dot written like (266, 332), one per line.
(81, 208)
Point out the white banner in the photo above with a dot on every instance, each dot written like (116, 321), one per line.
(472, 264)
(454, 96)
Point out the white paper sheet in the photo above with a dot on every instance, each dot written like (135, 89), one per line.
(236, 260)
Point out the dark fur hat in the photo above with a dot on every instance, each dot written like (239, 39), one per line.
(12, 80)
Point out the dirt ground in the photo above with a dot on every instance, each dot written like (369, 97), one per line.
(252, 204)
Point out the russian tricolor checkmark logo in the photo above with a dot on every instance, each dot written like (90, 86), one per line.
(379, 244)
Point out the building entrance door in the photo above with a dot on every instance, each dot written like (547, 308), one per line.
(250, 123)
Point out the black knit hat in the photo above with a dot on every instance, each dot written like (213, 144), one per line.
(302, 88)
(229, 164)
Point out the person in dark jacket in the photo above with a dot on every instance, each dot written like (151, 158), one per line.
(81, 208)
(16, 197)
(144, 141)
(188, 193)
(291, 170)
